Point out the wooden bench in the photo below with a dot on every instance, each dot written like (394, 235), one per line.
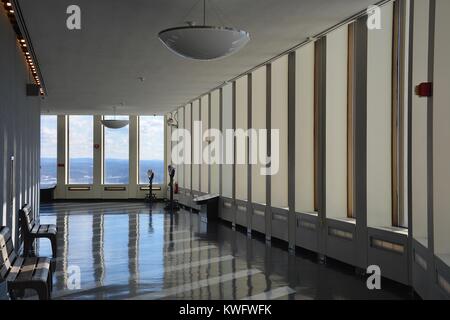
(22, 273)
(32, 230)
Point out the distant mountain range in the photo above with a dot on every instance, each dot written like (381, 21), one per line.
(116, 171)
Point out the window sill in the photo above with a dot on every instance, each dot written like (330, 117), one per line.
(401, 231)
(423, 241)
(445, 257)
(312, 214)
(345, 220)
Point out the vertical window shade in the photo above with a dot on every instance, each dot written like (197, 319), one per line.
(279, 121)
(379, 121)
(188, 166)
(169, 141)
(195, 165)
(304, 129)
(215, 124)
(181, 152)
(205, 126)
(441, 130)
(241, 140)
(258, 122)
(168, 145)
(419, 150)
(227, 123)
(336, 123)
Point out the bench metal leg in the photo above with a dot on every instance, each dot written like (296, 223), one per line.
(12, 295)
(54, 245)
(27, 246)
(43, 292)
(50, 281)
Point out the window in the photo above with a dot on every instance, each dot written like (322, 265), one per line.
(116, 154)
(151, 148)
(48, 150)
(80, 148)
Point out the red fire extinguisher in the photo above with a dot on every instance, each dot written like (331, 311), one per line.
(176, 188)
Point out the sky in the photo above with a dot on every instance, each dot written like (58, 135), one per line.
(116, 141)
(48, 136)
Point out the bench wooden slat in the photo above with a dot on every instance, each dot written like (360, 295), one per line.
(27, 269)
(42, 269)
(35, 228)
(15, 270)
(52, 229)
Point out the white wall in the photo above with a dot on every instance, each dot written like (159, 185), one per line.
(19, 133)
(336, 123)
(279, 121)
(379, 131)
(304, 129)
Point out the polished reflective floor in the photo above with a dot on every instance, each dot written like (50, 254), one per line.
(128, 250)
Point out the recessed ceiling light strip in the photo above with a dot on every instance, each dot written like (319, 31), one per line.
(12, 10)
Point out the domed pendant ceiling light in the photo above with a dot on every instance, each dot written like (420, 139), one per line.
(204, 42)
(115, 123)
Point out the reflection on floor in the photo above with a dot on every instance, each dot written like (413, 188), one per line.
(125, 250)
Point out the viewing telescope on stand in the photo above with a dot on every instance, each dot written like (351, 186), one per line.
(172, 205)
(150, 196)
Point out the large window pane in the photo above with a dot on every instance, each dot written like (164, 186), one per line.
(48, 150)
(116, 153)
(151, 148)
(81, 158)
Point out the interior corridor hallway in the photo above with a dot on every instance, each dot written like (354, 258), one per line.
(128, 250)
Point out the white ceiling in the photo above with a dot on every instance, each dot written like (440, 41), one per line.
(89, 71)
